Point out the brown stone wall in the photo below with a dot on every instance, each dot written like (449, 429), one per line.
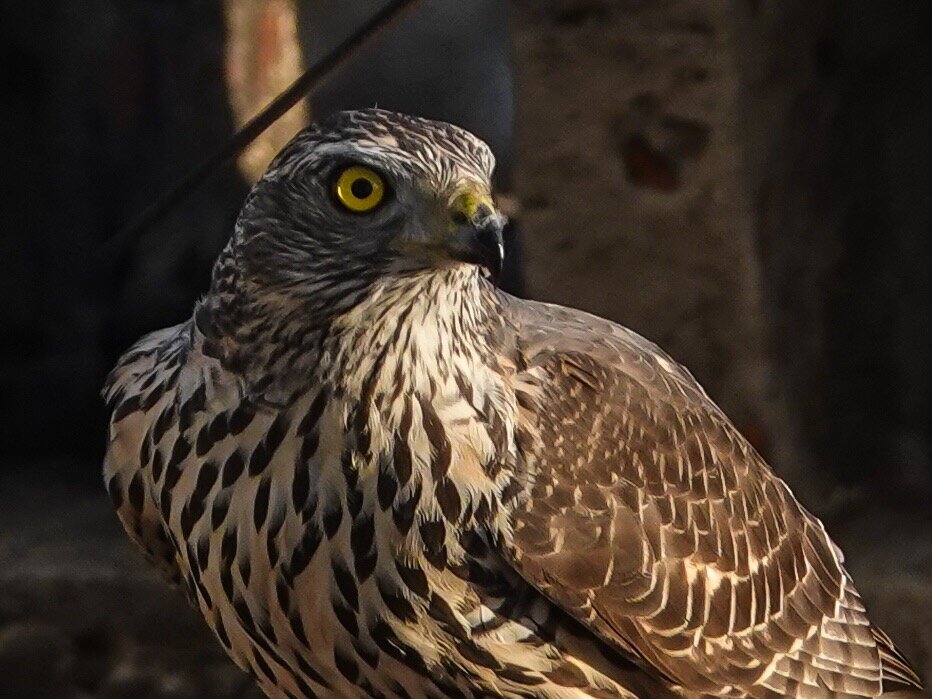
(745, 182)
(635, 194)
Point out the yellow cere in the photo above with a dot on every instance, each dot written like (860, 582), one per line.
(470, 199)
(466, 204)
(360, 189)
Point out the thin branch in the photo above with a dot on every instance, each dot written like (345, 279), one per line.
(304, 85)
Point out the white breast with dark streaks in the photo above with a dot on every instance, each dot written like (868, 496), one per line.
(320, 539)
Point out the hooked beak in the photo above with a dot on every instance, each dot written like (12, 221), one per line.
(476, 230)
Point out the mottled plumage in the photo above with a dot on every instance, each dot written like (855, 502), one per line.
(378, 476)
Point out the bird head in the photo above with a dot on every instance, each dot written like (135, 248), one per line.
(368, 194)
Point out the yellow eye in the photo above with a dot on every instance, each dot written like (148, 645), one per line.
(360, 189)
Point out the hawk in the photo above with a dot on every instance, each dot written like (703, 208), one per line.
(377, 475)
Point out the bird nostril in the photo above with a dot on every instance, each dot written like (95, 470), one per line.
(459, 218)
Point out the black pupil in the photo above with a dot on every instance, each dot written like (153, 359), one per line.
(361, 188)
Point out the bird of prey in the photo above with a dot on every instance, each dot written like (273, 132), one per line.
(377, 475)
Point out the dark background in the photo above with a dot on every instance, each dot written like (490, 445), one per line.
(746, 182)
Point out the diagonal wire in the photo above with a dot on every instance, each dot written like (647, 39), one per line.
(306, 83)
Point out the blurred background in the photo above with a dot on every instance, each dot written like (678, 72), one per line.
(746, 182)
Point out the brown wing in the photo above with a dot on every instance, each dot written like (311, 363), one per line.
(653, 521)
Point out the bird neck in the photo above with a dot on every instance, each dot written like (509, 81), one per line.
(400, 329)
(411, 326)
(421, 368)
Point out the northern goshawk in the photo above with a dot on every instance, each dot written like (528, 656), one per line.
(376, 475)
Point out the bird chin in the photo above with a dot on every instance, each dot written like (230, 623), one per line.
(484, 269)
